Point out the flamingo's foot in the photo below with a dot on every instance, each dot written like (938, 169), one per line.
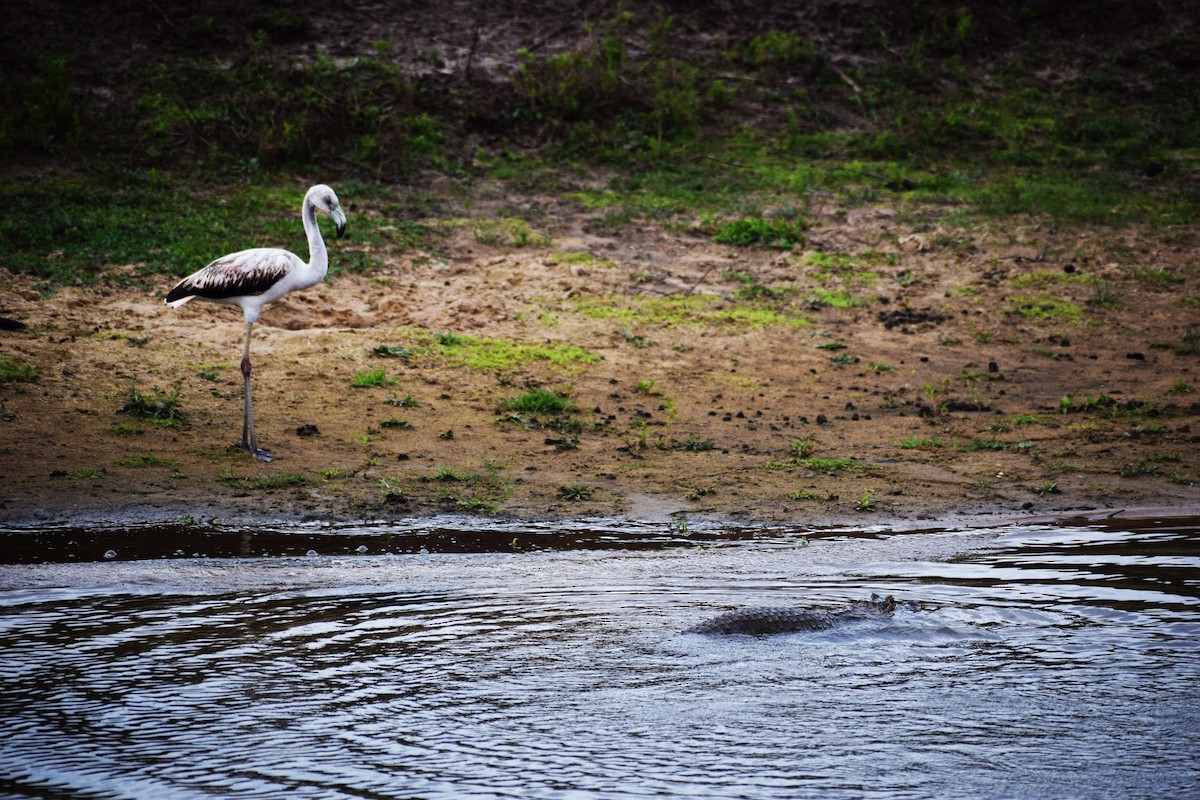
(260, 454)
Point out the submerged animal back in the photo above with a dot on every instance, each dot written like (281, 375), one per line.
(756, 621)
(759, 621)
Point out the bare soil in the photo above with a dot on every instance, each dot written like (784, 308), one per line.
(957, 363)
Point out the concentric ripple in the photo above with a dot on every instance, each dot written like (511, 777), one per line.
(1024, 662)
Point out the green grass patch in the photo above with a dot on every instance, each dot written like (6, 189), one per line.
(922, 443)
(14, 371)
(693, 310)
(829, 466)
(538, 402)
(260, 482)
(500, 231)
(157, 406)
(501, 355)
(87, 474)
(782, 234)
(982, 444)
(371, 379)
(483, 489)
(1046, 307)
(841, 298)
(93, 222)
(147, 460)
(575, 492)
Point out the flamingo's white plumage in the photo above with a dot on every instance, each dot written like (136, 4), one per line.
(253, 278)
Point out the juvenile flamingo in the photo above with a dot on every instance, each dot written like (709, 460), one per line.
(253, 278)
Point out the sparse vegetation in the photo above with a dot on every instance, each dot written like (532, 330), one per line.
(159, 407)
(371, 379)
(928, 187)
(264, 482)
(538, 402)
(14, 371)
(575, 491)
(148, 460)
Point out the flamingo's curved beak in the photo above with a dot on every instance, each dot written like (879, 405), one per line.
(340, 219)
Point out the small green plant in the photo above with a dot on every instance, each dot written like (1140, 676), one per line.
(447, 434)
(830, 466)
(88, 474)
(371, 379)
(921, 443)
(1077, 403)
(802, 494)
(1135, 470)
(575, 491)
(126, 429)
(147, 460)
(448, 339)
(982, 444)
(210, 374)
(1048, 487)
(390, 351)
(275, 481)
(637, 340)
(802, 448)
(696, 492)
(1182, 478)
(478, 490)
(161, 408)
(390, 492)
(1189, 344)
(13, 371)
(1104, 295)
(1180, 387)
(538, 401)
(396, 422)
(782, 234)
(403, 402)
(866, 502)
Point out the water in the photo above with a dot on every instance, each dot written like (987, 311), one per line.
(477, 660)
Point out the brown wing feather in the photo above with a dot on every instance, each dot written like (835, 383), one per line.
(250, 272)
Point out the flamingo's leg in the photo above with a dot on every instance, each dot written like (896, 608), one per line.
(249, 441)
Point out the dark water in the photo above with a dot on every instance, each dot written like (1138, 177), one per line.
(460, 661)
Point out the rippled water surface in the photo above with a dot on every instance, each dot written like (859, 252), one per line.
(468, 659)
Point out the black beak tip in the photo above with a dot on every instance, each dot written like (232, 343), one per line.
(341, 230)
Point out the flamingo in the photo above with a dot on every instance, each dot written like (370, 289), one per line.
(253, 278)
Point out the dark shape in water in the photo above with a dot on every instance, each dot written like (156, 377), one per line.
(761, 621)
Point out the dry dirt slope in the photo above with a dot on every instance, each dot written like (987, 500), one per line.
(943, 395)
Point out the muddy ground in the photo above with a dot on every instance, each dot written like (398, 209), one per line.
(937, 353)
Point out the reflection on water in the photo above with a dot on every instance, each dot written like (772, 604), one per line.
(541, 662)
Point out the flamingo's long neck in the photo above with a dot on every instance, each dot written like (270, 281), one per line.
(318, 256)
